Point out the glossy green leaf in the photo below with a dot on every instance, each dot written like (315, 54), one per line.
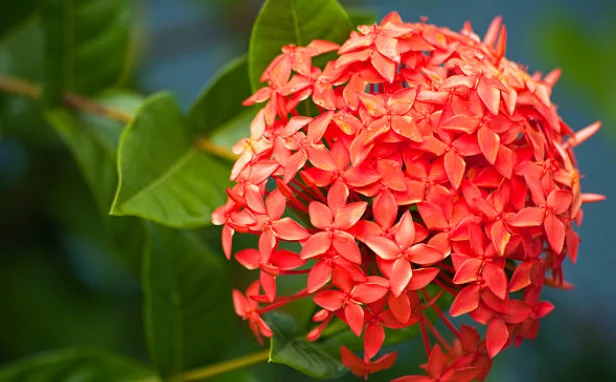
(187, 307)
(220, 104)
(86, 45)
(162, 175)
(289, 348)
(282, 22)
(76, 364)
(93, 141)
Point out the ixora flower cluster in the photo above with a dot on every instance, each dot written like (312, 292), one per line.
(418, 163)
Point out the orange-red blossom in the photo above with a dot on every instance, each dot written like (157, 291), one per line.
(430, 162)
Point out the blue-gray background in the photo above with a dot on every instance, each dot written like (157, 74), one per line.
(54, 272)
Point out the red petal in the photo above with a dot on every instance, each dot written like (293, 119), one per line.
(353, 88)
(573, 243)
(521, 278)
(424, 254)
(384, 248)
(461, 122)
(500, 236)
(492, 32)
(544, 308)
(367, 293)
(383, 65)
(437, 363)
(317, 244)
(454, 166)
(249, 258)
(402, 101)
(331, 300)
(400, 306)
(528, 217)
(385, 209)
(401, 274)
(385, 362)
(254, 200)
(275, 205)
(489, 142)
(466, 301)
(422, 277)
(353, 362)
(504, 161)
(227, 240)
(468, 271)
(433, 216)
(320, 157)
(337, 196)
(496, 336)
(239, 303)
(373, 339)
(459, 80)
(268, 283)
(354, 316)
(388, 47)
(318, 126)
(349, 215)
(405, 126)
(286, 260)
(555, 230)
(495, 279)
(375, 104)
(320, 274)
(489, 95)
(560, 201)
(346, 247)
(320, 215)
(288, 229)
(405, 233)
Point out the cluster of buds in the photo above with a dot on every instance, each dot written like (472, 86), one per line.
(418, 163)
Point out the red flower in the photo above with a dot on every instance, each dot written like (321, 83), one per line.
(364, 367)
(402, 252)
(249, 310)
(335, 220)
(440, 369)
(351, 296)
(432, 166)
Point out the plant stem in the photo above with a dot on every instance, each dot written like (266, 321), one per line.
(74, 101)
(226, 366)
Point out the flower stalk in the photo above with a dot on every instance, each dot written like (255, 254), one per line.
(73, 101)
(226, 366)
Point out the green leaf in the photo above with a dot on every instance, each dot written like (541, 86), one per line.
(220, 104)
(162, 175)
(76, 364)
(290, 349)
(15, 12)
(93, 141)
(361, 16)
(187, 307)
(86, 45)
(282, 22)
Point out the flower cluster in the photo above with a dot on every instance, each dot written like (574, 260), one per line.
(418, 166)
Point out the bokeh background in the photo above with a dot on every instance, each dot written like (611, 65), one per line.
(61, 284)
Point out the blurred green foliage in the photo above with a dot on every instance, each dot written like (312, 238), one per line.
(71, 275)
